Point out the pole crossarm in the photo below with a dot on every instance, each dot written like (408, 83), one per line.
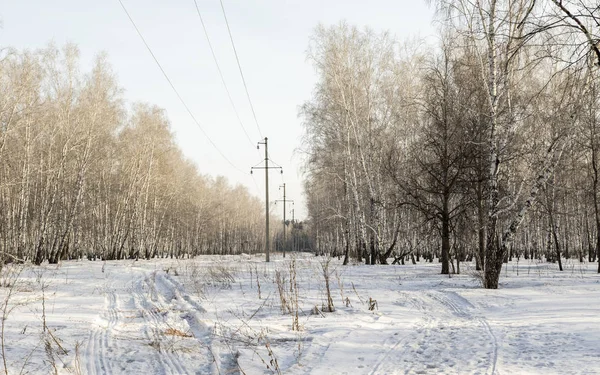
(266, 168)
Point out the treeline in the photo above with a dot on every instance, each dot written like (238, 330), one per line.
(84, 175)
(483, 147)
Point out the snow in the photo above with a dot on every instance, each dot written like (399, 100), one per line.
(204, 316)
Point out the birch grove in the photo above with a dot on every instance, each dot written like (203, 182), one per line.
(84, 174)
(486, 142)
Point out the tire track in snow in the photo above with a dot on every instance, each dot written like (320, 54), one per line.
(495, 341)
(154, 321)
(317, 354)
(459, 307)
(423, 336)
(226, 363)
(420, 330)
(178, 291)
(457, 304)
(99, 341)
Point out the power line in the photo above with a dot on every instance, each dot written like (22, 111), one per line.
(255, 184)
(275, 163)
(177, 92)
(212, 51)
(240, 68)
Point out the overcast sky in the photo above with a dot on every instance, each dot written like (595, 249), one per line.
(271, 39)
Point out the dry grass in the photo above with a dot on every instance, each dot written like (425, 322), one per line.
(175, 332)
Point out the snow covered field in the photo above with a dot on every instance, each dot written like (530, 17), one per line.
(209, 316)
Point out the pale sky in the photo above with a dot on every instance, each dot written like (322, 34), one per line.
(271, 38)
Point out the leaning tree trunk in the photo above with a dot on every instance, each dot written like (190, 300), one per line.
(552, 158)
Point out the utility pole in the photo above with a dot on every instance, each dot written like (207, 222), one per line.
(293, 237)
(266, 168)
(284, 200)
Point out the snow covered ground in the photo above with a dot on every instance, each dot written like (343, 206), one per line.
(209, 316)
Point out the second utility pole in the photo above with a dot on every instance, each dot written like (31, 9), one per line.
(284, 226)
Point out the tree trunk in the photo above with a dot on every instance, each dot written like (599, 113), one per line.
(445, 242)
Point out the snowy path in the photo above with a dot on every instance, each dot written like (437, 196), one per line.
(146, 300)
(207, 316)
(161, 327)
(442, 321)
(100, 341)
(450, 326)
